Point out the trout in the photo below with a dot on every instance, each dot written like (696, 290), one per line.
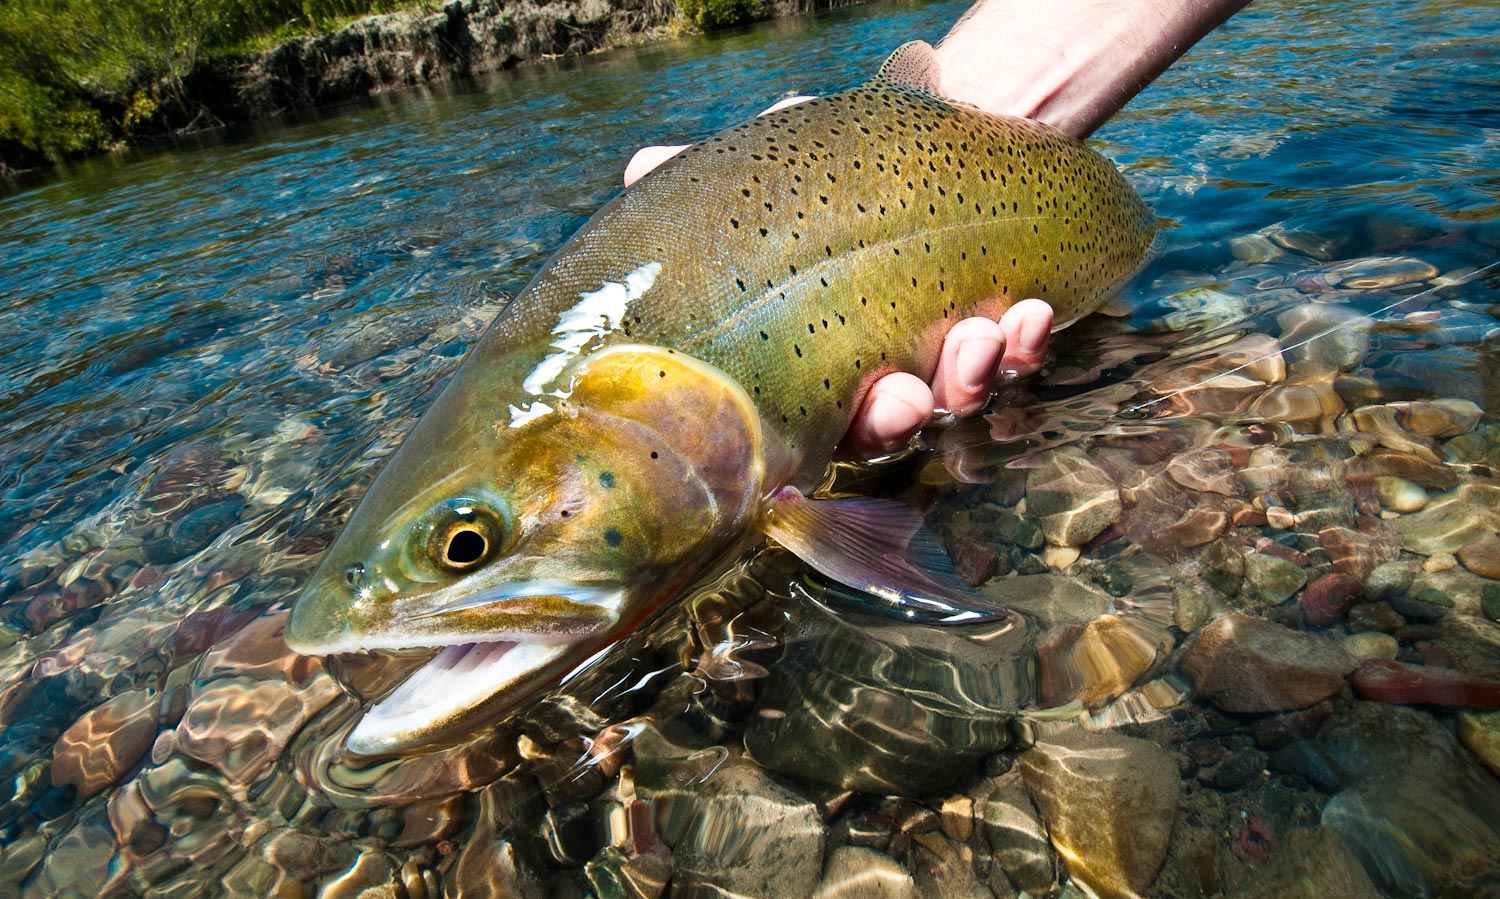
(672, 385)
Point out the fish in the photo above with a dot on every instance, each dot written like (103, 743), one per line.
(671, 387)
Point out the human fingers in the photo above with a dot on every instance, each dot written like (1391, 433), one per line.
(1027, 327)
(897, 406)
(966, 365)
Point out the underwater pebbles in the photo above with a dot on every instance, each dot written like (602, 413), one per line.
(1247, 665)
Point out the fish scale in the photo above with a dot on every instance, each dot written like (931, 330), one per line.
(813, 249)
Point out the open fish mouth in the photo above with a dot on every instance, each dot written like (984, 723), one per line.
(483, 672)
(459, 681)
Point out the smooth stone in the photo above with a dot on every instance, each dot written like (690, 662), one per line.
(1113, 653)
(1438, 418)
(1271, 580)
(886, 707)
(739, 832)
(1198, 526)
(1415, 837)
(1072, 499)
(1454, 588)
(1480, 732)
(1490, 601)
(1327, 599)
(1340, 350)
(1310, 863)
(1012, 828)
(943, 867)
(1050, 598)
(106, 743)
(1305, 402)
(1247, 665)
(1109, 802)
(1381, 272)
(615, 875)
(1448, 524)
(1482, 556)
(1223, 567)
(1375, 616)
(1388, 580)
(1439, 562)
(1060, 558)
(1371, 645)
(1206, 471)
(1191, 607)
(1384, 680)
(855, 872)
(1399, 494)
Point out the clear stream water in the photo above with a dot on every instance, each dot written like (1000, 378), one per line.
(1264, 670)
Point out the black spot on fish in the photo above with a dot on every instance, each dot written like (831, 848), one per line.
(607, 478)
(612, 537)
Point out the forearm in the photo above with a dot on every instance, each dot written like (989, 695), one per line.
(1069, 63)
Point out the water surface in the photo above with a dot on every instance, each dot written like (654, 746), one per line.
(205, 354)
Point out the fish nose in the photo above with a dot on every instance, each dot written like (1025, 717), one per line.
(320, 619)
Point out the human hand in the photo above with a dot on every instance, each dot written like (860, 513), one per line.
(976, 351)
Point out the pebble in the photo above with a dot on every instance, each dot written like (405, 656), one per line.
(1447, 524)
(1375, 616)
(1482, 556)
(855, 872)
(1480, 732)
(1327, 599)
(1112, 654)
(1010, 825)
(1490, 601)
(105, 743)
(1271, 580)
(1371, 645)
(1109, 802)
(1397, 682)
(1247, 665)
(1438, 562)
(1381, 272)
(1060, 558)
(1399, 494)
(1072, 499)
(1388, 580)
(737, 831)
(1310, 863)
(1280, 518)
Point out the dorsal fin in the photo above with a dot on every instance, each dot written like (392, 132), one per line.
(912, 65)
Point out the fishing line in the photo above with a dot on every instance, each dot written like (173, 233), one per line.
(1134, 411)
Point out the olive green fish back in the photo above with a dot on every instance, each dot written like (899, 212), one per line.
(812, 249)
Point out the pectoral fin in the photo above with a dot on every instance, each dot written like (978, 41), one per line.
(881, 548)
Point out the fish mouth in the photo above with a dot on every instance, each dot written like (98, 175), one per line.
(497, 647)
(461, 682)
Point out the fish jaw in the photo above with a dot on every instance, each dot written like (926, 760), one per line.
(462, 683)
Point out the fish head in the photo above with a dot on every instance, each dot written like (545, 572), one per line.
(521, 545)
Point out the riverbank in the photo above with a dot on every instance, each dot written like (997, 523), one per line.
(49, 113)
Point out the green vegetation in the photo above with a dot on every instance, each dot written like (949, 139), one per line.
(77, 76)
(80, 76)
(712, 14)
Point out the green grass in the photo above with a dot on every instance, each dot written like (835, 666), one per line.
(81, 76)
(78, 76)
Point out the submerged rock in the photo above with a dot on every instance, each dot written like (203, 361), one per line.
(1271, 580)
(1010, 825)
(879, 706)
(1385, 680)
(1243, 664)
(1311, 863)
(1109, 802)
(106, 743)
(1480, 732)
(736, 831)
(1072, 499)
(855, 872)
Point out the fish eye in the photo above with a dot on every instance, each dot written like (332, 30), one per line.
(463, 536)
